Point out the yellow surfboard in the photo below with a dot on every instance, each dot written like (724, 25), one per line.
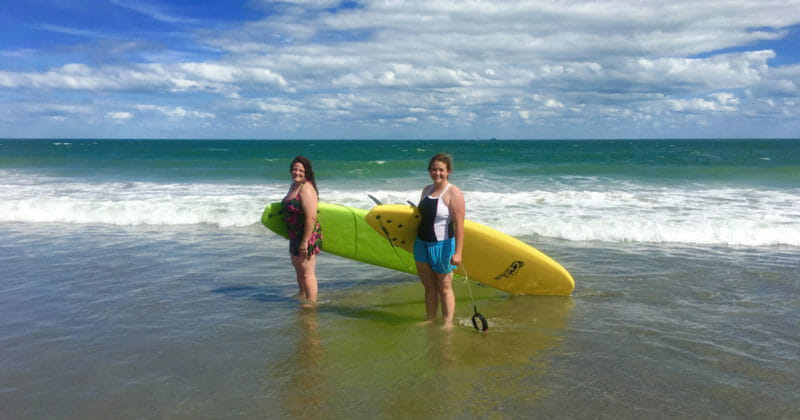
(489, 257)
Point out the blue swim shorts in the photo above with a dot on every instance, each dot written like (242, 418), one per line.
(436, 254)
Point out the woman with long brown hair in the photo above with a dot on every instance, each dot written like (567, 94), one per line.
(305, 232)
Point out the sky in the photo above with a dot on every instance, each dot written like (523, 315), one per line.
(392, 69)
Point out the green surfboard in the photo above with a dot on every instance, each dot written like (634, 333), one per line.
(345, 233)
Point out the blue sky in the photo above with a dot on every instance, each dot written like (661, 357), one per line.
(399, 69)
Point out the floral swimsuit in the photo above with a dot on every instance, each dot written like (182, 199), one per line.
(294, 217)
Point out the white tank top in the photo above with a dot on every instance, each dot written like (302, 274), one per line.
(437, 226)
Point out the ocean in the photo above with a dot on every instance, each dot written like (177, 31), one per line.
(138, 282)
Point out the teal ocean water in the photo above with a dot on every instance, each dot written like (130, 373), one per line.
(138, 282)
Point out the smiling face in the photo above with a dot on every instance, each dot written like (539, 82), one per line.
(298, 172)
(438, 171)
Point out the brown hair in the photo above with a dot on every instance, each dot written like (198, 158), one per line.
(444, 158)
(309, 171)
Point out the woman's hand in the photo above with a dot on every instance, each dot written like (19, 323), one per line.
(304, 249)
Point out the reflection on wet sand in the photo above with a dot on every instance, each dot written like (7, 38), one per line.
(376, 360)
(306, 389)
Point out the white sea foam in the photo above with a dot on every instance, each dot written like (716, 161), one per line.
(706, 216)
(620, 213)
(133, 203)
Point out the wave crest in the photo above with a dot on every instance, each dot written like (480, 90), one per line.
(725, 216)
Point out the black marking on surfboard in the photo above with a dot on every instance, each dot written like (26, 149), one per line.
(512, 269)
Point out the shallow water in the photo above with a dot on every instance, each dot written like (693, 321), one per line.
(138, 283)
(199, 321)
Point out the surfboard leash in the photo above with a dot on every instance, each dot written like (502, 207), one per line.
(394, 248)
(388, 235)
(478, 316)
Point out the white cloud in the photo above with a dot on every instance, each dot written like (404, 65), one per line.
(461, 64)
(153, 11)
(277, 108)
(175, 112)
(174, 78)
(119, 115)
(720, 71)
(721, 101)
